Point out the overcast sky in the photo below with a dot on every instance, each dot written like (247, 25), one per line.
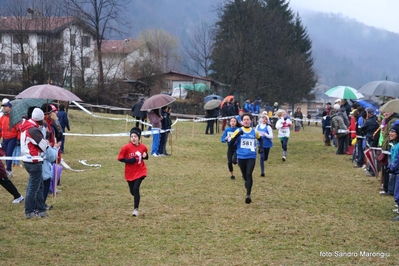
(382, 14)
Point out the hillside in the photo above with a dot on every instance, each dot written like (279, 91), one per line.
(346, 52)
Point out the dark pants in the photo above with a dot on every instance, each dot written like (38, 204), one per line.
(62, 140)
(8, 146)
(263, 158)
(231, 157)
(341, 145)
(162, 143)
(327, 135)
(138, 123)
(46, 189)
(360, 152)
(209, 126)
(9, 186)
(34, 193)
(134, 187)
(247, 167)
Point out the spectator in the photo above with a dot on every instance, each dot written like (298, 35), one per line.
(9, 136)
(155, 118)
(138, 114)
(340, 131)
(64, 122)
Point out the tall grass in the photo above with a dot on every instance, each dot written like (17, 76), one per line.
(306, 211)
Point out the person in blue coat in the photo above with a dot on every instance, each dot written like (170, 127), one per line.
(266, 132)
(231, 149)
(246, 140)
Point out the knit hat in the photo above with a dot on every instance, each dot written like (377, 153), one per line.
(276, 104)
(46, 108)
(37, 114)
(370, 111)
(395, 128)
(136, 131)
(337, 106)
(337, 100)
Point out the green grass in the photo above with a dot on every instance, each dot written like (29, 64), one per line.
(191, 213)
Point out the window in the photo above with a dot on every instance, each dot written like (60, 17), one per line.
(17, 58)
(85, 41)
(20, 38)
(85, 62)
(73, 39)
(2, 58)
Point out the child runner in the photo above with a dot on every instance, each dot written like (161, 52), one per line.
(231, 150)
(266, 132)
(283, 125)
(132, 154)
(246, 137)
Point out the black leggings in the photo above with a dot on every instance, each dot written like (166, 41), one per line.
(9, 186)
(134, 187)
(231, 157)
(247, 167)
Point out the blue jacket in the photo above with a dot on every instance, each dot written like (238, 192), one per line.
(228, 132)
(50, 155)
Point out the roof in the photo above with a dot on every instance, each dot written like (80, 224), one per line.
(120, 46)
(38, 24)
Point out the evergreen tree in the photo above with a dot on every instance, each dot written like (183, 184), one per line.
(261, 50)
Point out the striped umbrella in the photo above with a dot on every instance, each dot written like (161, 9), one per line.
(344, 92)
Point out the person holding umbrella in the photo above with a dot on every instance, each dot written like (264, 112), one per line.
(9, 135)
(211, 114)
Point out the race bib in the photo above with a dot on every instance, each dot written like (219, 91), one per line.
(284, 131)
(248, 144)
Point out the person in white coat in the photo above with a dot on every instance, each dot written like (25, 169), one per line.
(283, 125)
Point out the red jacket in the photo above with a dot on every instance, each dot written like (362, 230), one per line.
(352, 127)
(32, 141)
(5, 131)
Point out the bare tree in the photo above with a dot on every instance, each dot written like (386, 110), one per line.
(102, 16)
(162, 47)
(199, 50)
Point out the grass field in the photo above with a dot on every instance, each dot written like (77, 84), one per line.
(313, 209)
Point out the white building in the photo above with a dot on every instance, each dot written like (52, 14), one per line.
(66, 49)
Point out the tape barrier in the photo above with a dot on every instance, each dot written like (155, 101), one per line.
(66, 166)
(126, 134)
(22, 158)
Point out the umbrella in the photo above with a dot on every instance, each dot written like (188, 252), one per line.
(212, 104)
(47, 91)
(210, 97)
(157, 101)
(367, 103)
(344, 92)
(381, 88)
(226, 99)
(20, 108)
(390, 106)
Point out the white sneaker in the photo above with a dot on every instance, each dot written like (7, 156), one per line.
(284, 158)
(135, 212)
(18, 200)
(9, 174)
(155, 155)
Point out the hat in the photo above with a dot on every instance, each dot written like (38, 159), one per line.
(370, 110)
(142, 99)
(336, 106)
(53, 107)
(241, 110)
(136, 131)
(264, 113)
(395, 128)
(328, 103)
(37, 114)
(46, 108)
(337, 100)
(7, 104)
(5, 100)
(276, 103)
